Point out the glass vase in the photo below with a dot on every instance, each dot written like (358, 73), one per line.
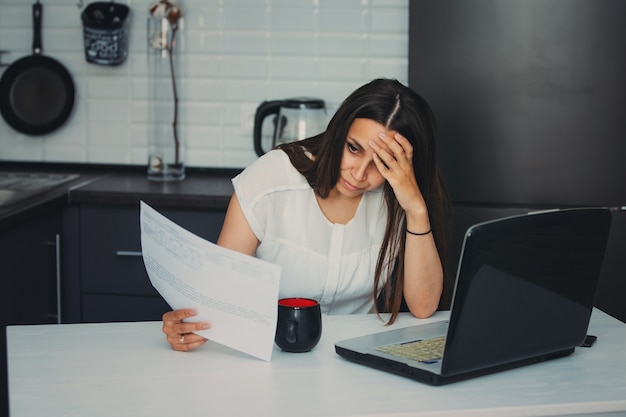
(165, 142)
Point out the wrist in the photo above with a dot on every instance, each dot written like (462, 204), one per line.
(429, 231)
(417, 221)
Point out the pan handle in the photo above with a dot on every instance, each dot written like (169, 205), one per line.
(1, 63)
(37, 17)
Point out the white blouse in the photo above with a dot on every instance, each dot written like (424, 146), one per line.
(332, 263)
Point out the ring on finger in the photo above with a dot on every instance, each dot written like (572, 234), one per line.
(182, 338)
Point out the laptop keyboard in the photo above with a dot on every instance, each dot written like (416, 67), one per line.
(422, 350)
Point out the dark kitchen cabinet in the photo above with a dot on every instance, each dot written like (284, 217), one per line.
(106, 279)
(529, 102)
(30, 279)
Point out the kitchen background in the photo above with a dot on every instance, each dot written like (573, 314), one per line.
(236, 53)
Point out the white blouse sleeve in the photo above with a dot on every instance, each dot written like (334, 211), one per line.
(255, 185)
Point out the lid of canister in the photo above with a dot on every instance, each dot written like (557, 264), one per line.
(303, 102)
(105, 15)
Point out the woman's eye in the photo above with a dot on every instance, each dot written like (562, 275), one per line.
(351, 147)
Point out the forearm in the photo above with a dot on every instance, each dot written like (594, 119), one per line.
(423, 272)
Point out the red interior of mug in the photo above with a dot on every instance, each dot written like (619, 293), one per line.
(297, 302)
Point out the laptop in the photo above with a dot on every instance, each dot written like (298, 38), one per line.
(524, 293)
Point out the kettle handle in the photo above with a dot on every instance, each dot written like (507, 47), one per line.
(265, 109)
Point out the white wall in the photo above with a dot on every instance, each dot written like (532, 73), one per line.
(236, 54)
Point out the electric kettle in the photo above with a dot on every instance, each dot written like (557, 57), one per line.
(295, 119)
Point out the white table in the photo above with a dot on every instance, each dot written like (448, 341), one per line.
(127, 369)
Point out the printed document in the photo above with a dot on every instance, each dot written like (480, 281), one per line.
(237, 293)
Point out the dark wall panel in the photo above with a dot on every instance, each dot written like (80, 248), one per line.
(530, 97)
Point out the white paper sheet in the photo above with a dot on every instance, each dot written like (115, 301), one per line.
(237, 293)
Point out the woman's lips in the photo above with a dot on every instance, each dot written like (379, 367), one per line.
(350, 187)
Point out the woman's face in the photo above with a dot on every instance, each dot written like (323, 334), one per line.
(358, 172)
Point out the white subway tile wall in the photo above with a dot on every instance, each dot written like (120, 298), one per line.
(235, 54)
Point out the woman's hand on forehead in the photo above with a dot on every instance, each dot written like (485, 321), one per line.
(393, 156)
(382, 139)
(394, 151)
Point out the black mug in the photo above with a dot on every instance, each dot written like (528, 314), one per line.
(299, 325)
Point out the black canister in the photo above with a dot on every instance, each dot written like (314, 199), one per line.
(105, 31)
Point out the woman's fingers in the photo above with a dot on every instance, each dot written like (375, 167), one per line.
(185, 341)
(178, 316)
(399, 147)
(393, 155)
(179, 334)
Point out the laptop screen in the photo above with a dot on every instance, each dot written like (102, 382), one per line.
(525, 287)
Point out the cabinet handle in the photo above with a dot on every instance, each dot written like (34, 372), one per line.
(57, 272)
(57, 240)
(128, 253)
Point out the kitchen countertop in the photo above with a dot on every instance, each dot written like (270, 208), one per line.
(197, 191)
(35, 204)
(204, 188)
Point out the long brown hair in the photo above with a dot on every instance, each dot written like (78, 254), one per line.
(398, 108)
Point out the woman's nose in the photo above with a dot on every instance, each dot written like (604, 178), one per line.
(360, 171)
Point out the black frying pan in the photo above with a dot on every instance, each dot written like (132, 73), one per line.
(36, 92)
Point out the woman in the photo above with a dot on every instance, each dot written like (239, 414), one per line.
(353, 215)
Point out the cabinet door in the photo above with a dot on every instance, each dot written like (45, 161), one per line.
(111, 264)
(28, 280)
(28, 258)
